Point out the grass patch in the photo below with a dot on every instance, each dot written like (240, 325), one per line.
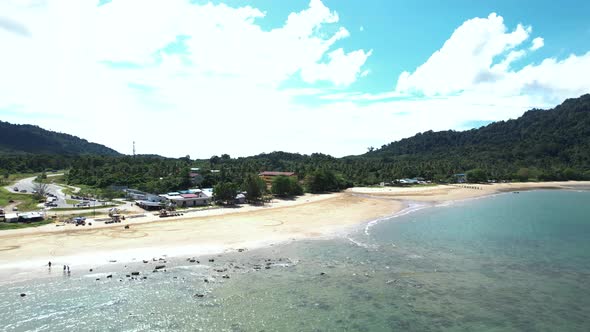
(27, 202)
(85, 208)
(72, 201)
(6, 225)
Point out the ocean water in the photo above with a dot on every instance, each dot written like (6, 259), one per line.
(511, 262)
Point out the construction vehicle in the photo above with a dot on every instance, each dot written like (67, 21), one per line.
(115, 215)
(169, 211)
(79, 221)
(114, 211)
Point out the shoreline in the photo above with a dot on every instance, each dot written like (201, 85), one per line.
(24, 253)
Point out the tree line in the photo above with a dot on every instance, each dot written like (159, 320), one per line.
(542, 145)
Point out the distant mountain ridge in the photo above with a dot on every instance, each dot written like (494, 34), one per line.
(29, 139)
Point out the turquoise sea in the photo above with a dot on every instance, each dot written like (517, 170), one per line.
(511, 262)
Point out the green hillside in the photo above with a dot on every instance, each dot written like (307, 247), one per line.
(16, 139)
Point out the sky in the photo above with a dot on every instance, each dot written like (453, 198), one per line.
(204, 78)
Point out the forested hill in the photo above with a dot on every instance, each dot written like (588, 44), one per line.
(28, 139)
(558, 137)
(541, 145)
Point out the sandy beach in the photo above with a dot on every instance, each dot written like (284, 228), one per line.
(217, 230)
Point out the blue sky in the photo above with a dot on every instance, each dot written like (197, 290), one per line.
(301, 76)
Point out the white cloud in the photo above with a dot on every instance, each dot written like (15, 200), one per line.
(478, 58)
(229, 89)
(537, 44)
(229, 74)
(469, 52)
(343, 69)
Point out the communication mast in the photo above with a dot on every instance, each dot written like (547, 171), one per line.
(134, 148)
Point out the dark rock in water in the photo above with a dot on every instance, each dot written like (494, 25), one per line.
(206, 280)
(225, 276)
(198, 262)
(110, 276)
(126, 226)
(128, 275)
(134, 273)
(241, 250)
(145, 262)
(323, 273)
(145, 277)
(192, 260)
(97, 279)
(23, 294)
(211, 260)
(174, 277)
(199, 295)
(267, 267)
(90, 270)
(221, 270)
(158, 267)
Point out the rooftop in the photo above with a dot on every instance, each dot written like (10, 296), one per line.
(269, 173)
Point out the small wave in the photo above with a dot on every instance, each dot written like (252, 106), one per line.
(361, 244)
(412, 207)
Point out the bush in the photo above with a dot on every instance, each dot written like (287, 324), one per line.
(286, 186)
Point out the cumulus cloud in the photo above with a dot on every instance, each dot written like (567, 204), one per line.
(479, 57)
(108, 67)
(537, 43)
(175, 74)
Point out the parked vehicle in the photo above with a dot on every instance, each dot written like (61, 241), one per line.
(23, 191)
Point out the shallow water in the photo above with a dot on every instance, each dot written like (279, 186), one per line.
(511, 262)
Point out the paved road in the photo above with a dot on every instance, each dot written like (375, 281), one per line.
(28, 184)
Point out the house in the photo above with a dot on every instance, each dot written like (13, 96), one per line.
(268, 176)
(31, 216)
(136, 194)
(408, 181)
(11, 217)
(460, 178)
(152, 202)
(208, 192)
(24, 217)
(188, 199)
(240, 198)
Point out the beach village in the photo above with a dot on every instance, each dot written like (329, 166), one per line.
(135, 203)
